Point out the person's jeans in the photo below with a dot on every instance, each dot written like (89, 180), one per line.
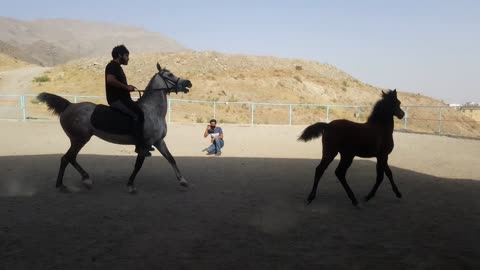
(216, 146)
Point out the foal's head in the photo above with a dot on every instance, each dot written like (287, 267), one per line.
(387, 107)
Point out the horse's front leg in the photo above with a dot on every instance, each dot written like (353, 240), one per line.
(162, 147)
(138, 165)
(381, 163)
(389, 174)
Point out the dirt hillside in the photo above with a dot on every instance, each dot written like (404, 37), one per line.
(242, 78)
(49, 42)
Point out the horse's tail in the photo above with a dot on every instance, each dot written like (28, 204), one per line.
(314, 131)
(55, 103)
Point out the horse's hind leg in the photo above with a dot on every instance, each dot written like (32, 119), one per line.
(138, 165)
(70, 157)
(389, 174)
(162, 147)
(327, 158)
(341, 171)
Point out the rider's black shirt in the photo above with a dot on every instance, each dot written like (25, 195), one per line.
(115, 93)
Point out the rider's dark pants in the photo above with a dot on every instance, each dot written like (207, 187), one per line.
(132, 109)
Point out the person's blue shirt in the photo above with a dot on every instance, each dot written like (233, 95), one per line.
(215, 132)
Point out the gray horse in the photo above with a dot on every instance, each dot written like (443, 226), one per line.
(77, 120)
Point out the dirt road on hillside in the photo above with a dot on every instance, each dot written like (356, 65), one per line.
(19, 81)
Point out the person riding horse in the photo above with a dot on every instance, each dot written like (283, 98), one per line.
(118, 96)
(82, 120)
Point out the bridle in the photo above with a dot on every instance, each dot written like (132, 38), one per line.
(172, 85)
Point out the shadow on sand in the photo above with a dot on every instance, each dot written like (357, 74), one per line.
(238, 213)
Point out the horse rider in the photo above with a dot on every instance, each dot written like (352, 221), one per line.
(118, 96)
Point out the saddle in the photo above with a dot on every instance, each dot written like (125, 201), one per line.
(111, 120)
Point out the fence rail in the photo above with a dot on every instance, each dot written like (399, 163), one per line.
(430, 119)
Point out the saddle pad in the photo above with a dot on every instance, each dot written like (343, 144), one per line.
(111, 120)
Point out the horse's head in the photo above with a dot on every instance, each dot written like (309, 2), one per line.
(166, 80)
(390, 98)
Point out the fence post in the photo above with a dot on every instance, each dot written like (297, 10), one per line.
(22, 105)
(75, 99)
(214, 110)
(290, 116)
(440, 120)
(328, 113)
(169, 111)
(253, 117)
(405, 119)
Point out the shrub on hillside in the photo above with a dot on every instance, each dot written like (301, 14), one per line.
(40, 79)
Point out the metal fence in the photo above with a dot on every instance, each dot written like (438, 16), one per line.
(428, 119)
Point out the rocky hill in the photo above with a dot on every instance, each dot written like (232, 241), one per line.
(224, 77)
(8, 63)
(51, 42)
(242, 78)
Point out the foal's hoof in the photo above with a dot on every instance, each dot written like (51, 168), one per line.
(63, 189)
(399, 195)
(132, 190)
(87, 183)
(310, 199)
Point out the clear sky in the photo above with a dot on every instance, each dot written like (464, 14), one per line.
(428, 47)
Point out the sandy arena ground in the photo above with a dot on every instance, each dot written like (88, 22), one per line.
(244, 210)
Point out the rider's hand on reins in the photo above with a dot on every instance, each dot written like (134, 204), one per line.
(139, 92)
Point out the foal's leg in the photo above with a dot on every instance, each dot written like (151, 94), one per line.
(162, 147)
(341, 171)
(389, 174)
(138, 165)
(381, 164)
(326, 160)
(70, 156)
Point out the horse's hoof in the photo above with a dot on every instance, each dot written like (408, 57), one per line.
(399, 195)
(87, 183)
(355, 203)
(183, 183)
(367, 198)
(63, 189)
(131, 189)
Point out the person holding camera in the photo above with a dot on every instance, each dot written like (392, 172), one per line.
(216, 138)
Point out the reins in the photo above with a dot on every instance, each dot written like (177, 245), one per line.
(167, 81)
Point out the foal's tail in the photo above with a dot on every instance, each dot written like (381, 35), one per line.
(55, 103)
(314, 131)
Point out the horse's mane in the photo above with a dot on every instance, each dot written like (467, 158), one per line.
(149, 85)
(383, 109)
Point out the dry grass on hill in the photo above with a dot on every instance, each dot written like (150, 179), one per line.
(240, 78)
(9, 63)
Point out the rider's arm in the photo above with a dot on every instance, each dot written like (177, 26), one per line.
(112, 81)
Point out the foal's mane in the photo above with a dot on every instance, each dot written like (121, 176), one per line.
(383, 109)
